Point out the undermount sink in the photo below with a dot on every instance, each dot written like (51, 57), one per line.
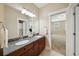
(22, 42)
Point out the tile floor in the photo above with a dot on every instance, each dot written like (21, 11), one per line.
(47, 52)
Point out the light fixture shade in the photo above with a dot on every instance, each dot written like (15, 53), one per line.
(26, 12)
(23, 11)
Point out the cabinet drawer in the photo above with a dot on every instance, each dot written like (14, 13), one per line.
(28, 53)
(27, 47)
(28, 50)
(36, 48)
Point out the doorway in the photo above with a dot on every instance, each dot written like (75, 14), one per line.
(58, 32)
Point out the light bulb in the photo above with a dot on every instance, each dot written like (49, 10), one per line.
(23, 11)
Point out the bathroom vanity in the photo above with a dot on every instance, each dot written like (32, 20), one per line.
(33, 48)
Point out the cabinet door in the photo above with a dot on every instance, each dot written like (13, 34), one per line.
(41, 44)
(2, 12)
(36, 48)
(28, 53)
(28, 50)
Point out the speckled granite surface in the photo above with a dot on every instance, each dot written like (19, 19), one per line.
(12, 47)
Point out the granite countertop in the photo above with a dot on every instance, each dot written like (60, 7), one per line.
(12, 47)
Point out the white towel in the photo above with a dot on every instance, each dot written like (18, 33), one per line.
(4, 38)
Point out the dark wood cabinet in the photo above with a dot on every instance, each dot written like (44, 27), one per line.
(28, 50)
(32, 49)
(41, 44)
(1, 52)
(36, 48)
(28, 53)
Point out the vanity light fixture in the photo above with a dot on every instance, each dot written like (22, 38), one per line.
(26, 12)
(23, 11)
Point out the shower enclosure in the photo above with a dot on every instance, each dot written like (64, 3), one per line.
(58, 34)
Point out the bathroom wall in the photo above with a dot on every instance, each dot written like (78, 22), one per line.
(44, 15)
(1, 14)
(11, 16)
(1, 17)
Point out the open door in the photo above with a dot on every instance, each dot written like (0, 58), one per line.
(77, 31)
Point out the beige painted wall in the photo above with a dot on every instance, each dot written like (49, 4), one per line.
(44, 15)
(1, 17)
(1, 12)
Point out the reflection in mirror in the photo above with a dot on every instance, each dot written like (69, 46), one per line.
(20, 28)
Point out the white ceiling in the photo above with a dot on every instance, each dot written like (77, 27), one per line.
(39, 5)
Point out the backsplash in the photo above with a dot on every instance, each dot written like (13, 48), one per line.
(14, 39)
(17, 38)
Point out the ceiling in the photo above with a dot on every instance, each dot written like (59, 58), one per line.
(40, 5)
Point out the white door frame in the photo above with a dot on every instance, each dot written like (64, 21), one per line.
(49, 30)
